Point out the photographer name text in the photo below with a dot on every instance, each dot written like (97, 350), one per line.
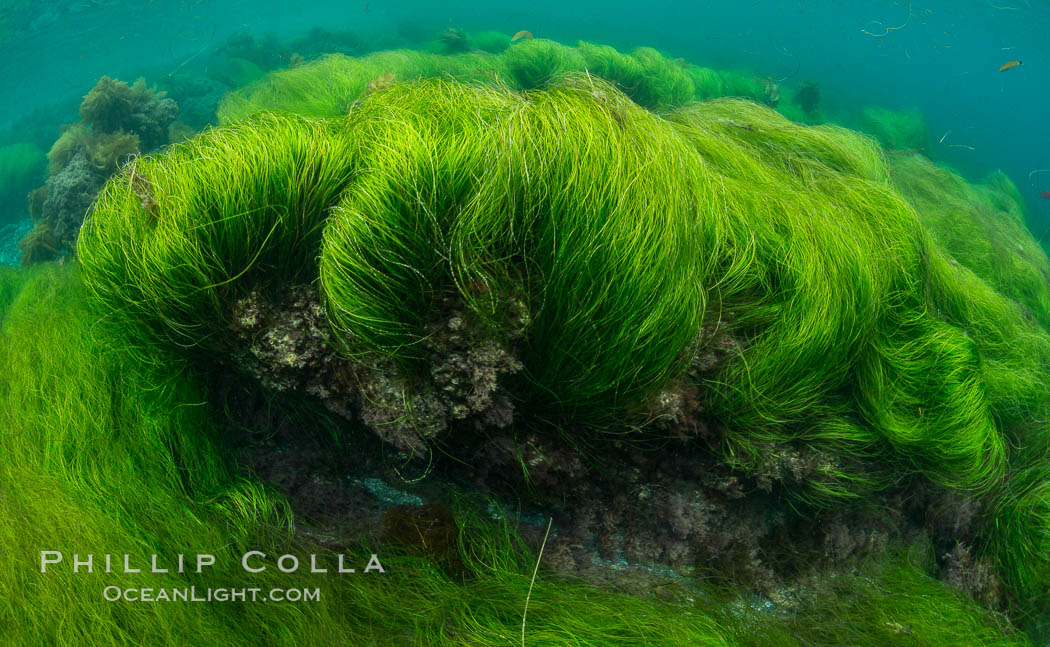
(253, 561)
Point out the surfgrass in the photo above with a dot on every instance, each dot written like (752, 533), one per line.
(105, 453)
(625, 231)
(329, 86)
(626, 234)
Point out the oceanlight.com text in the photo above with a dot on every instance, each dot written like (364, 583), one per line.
(194, 594)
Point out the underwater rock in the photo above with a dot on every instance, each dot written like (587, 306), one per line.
(108, 106)
(119, 122)
(807, 96)
(114, 105)
(973, 576)
(675, 506)
(286, 343)
(470, 366)
(265, 52)
(70, 194)
(680, 409)
(407, 417)
(454, 41)
(854, 362)
(197, 98)
(619, 516)
(151, 119)
(39, 245)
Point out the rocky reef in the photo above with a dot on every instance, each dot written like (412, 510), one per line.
(727, 378)
(119, 121)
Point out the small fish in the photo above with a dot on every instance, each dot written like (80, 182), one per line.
(1045, 195)
(527, 35)
(1009, 65)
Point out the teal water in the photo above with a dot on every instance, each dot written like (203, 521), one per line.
(941, 57)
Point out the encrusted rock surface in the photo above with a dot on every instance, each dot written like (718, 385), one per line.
(70, 193)
(625, 508)
(285, 343)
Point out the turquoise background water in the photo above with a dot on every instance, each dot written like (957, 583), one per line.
(942, 57)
